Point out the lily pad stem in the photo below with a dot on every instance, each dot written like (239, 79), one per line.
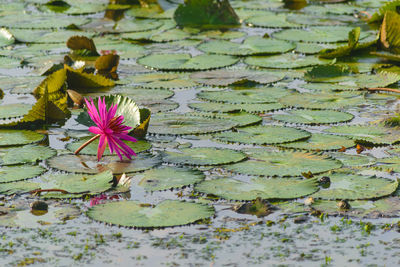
(86, 143)
(384, 89)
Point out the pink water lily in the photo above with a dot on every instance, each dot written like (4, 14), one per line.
(109, 128)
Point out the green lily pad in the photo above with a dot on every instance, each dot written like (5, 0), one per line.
(271, 20)
(25, 154)
(277, 188)
(162, 80)
(283, 163)
(328, 87)
(165, 177)
(221, 35)
(224, 77)
(326, 34)
(225, 107)
(313, 117)
(91, 149)
(353, 160)
(176, 124)
(389, 164)
(186, 62)
(322, 142)
(368, 134)
(157, 106)
(17, 173)
(19, 137)
(324, 100)
(263, 135)
(127, 25)
(14, 110)
(246, 96)
(139, 94)
(241, 118)
(285, 61)
(20, 187)
(350, 186)
(253, 45)
(77, 185)
(203, 156)
(135, 214)
(89, 164)
(312, 48)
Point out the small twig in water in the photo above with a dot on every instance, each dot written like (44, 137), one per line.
(384, 89)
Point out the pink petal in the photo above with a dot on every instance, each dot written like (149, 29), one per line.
(125, 148)
(95, 130)
(102, 147)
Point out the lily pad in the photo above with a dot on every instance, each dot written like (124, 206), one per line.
(246, 96)
(285, 61)
(322, 142)
(353, 160)
(19, 187)
(313, 117)
(225, 107)
(277, 188)
(90, 165)
(19, 137)
(253, 45)
(91, 149)
(17, 173)
(326, 34)
(77, 185)
(224, 77)
(14, 110)
(25, 154)
(176, 124)
(203, 156)
(263, 135)
(162, 80)
(283, 163)
(241, 118)
(368, 134)
(350, 186)
(324, 100)
(135, 214)
(271, 20)
(186, 62)
(165, 177)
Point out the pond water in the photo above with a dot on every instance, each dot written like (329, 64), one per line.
(236, 118)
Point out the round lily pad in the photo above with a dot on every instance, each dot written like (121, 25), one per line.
(376, 134)
(135, 214)
(322, 142)
(271, 20)
(156, 106)
(225, 107)
(25, 154)
(313, 117)
(285, 61)
(19, 137)
(162, 80)
(176, 124)
(89, 164)
(326, 34)
(127, 25)
(77, 185)
(203, 156)
(350, 186)
(276, 188)
(283, 163)
(254, 96)
(91, 149)
(14, 110)
(323, 100)
(165, 177)
(19, 187)
(390, 164)
(139, 94)
(263, 135)
(186, 62)
(18, 173)
(241, 118)
(353, 160)
(224, 77)
(254, 45)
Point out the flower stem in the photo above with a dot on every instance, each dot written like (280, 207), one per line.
(86, 143)
(384, 89)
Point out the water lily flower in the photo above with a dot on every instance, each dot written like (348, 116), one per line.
(109, 128)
